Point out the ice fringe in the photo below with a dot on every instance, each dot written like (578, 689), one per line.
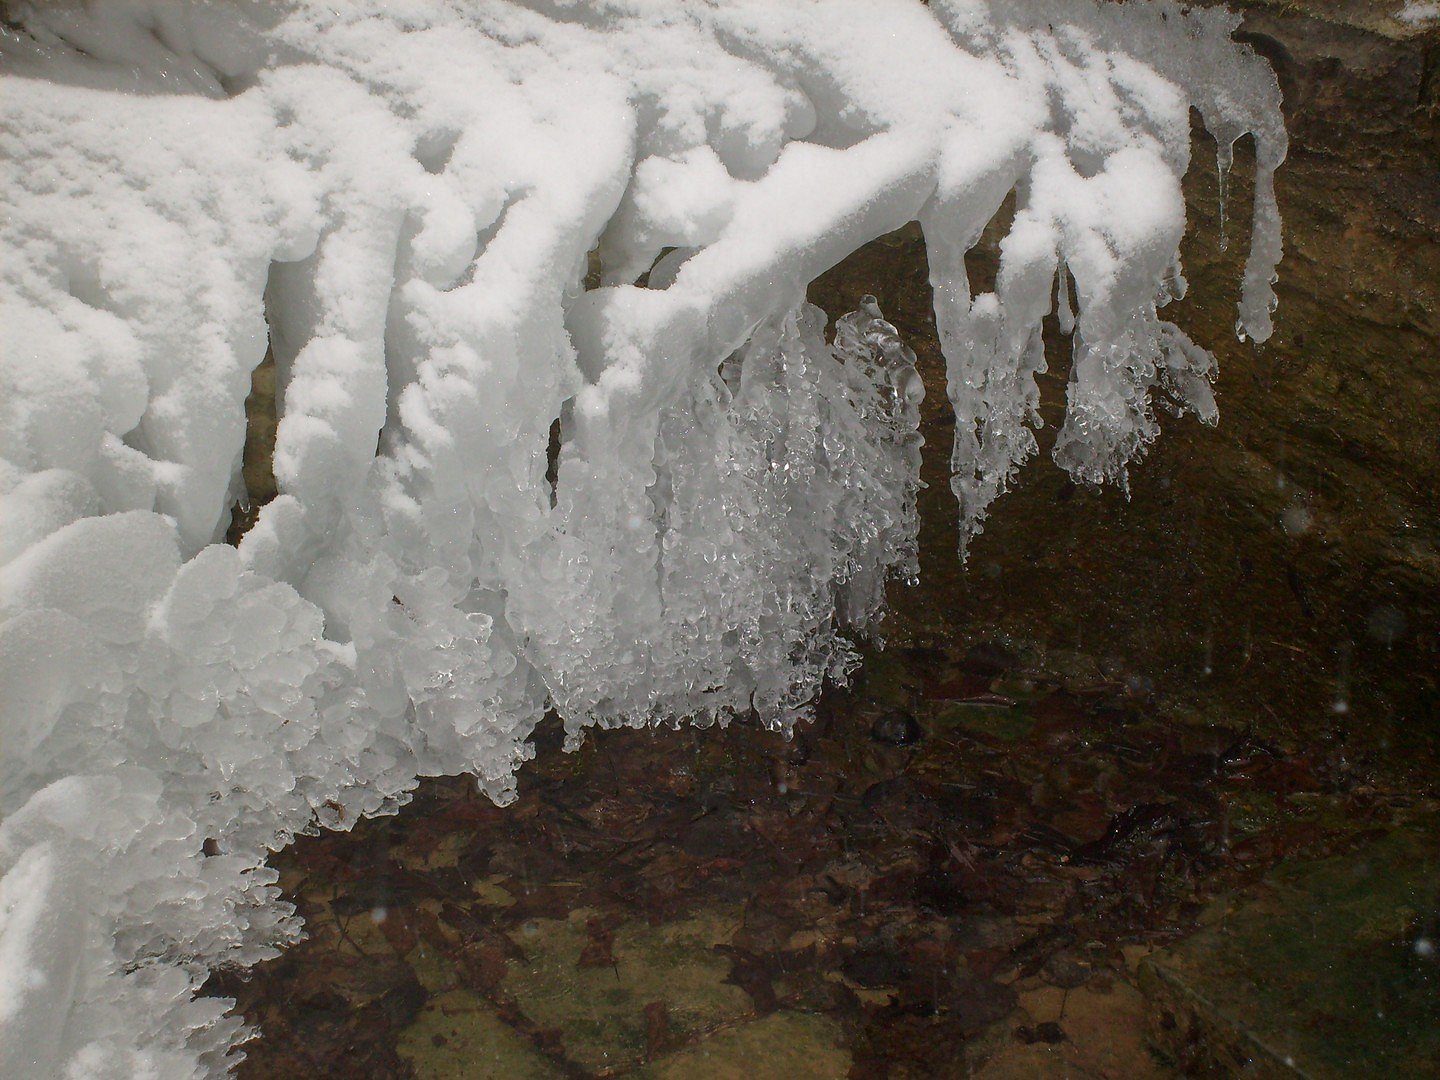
(399, 202)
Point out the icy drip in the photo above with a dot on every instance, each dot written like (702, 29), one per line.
(1064, 309)
(770, 505)
(402, 208)
(1099, 204)
(1224, 161)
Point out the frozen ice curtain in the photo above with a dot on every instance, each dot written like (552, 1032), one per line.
(402, 204)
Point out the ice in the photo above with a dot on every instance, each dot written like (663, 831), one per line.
(1419, 13)
(42, 936)
(455, 232)
(774, 499)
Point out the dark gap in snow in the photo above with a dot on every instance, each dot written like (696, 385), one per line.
(291, 313)
(643, 281)
(836, 126)
(1217, 234)
(257, 464)
(552, 452)
(434, 149)
(1221, 179)
(257, 484)
(482, 241)
(235, 85)
(1240, 192)
(982, 262)
(136, 440)
(667, 267)
(402, 348)
(1202, 197)
(1054, 381)
(594, 270)
(83, 283)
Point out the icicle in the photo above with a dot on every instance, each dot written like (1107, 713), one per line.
(1065, 315)
(1224, 159)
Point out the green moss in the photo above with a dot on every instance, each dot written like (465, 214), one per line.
(782, 1046)
(601, 1010)
(458, 1036)
(1320, 976)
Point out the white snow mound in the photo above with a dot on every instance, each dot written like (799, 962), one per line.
(469, 234)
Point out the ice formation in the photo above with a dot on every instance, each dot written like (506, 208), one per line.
(401, 202)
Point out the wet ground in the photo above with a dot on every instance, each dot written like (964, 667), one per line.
(1148, 790)
(954, 871)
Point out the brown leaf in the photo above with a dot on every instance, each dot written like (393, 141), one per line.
(480, 965)
(599, 949)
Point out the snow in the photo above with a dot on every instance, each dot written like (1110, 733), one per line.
(1419, 13)
(401, 204)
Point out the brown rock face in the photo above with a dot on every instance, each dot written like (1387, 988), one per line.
(1285, 566)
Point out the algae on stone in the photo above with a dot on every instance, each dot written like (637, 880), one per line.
(458, 1036)
(601, 1009)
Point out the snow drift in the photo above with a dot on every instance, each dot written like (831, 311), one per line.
(400, 203)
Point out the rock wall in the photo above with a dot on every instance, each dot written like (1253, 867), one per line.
(1285, 566)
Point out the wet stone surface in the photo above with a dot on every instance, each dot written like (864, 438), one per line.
(1332, 967)
(717, 903)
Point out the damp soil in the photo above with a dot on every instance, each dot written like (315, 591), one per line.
(1119, 716)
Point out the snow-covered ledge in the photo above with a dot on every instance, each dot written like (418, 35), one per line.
(400, 202)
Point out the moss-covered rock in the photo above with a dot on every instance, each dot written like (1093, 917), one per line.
(1327, 972)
